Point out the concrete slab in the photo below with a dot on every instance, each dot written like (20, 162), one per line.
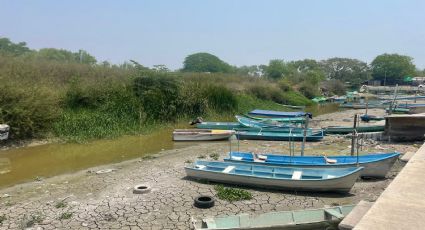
(401, 205)
(351, 220)
(406, 157)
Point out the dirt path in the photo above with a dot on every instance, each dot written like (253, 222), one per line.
(86, 200)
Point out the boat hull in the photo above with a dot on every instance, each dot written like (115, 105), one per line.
(275, 136)
(300, 219)
(201, 135)
(376, 169)
(335, 185)
(261, 178)
(360, 129)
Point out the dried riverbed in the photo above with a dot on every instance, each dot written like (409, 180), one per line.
(87, 200)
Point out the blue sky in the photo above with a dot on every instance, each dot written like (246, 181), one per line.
(241, 32)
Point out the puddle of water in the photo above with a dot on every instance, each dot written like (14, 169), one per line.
(25, 164)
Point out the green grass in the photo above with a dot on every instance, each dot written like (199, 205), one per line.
(61, 204)
(65, 216)
(232, 194)
(214, 156)
(2, 218)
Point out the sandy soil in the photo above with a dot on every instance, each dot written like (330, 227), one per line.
(87, 200)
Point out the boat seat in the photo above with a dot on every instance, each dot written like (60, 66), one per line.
(237, 158)
(328, 176)
(334, 213)
(330, 161)
(262, 157)
(228, 169)
(297, 175)
(200, 166)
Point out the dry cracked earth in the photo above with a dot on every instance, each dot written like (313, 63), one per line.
(87, 200)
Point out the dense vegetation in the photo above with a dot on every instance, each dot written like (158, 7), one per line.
(59, 93)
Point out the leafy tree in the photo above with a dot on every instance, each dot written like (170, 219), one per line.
(346, 70)
(277, 69)
(392, 68)
(306, 65)
(15, 49)
(161, 68)
(62, 55)
(205, 62)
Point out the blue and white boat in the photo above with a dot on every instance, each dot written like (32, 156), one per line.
(283, 178)
(375, 165)
(271, 113)
(251, 123)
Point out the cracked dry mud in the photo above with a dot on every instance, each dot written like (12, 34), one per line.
(106, 201)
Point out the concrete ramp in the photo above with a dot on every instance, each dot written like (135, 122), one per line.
(402, 204)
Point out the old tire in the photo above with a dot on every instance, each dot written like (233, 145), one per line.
(204, 202)
(141, 189)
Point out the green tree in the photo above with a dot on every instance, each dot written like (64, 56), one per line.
(277, 69)
(61, 55)
(392, 68)
(205, 62)
(10, 48)
(346, 70)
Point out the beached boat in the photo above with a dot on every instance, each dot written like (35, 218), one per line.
(347, 129)
(251, 123)
(218, 125)
(375, 165)
(238, 127)
(398, 110)
(367, 118)
(322, 218)
(278, 119)
(280, 136)
(271, 113)
(284, 178)
(361, 106)
(293, 106)
(201, 134)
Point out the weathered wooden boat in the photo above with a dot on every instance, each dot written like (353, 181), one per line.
(271, 113)
(279, 136)
(367, 118)
(219, 125)
(251, 123)
(284, 178)
(278, 119)
(347, 129)
(375, 165)
(201, 134)
(321, 218)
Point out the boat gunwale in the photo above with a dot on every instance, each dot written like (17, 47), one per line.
(353, 171)
(390, 155)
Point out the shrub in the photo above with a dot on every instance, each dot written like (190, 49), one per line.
(309, 90)
(220, 98)
(29, 110)
(158, 96)
(232, 194)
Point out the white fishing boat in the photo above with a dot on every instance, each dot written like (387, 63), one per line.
(201, 134)
(4, 132)
(283, 178)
